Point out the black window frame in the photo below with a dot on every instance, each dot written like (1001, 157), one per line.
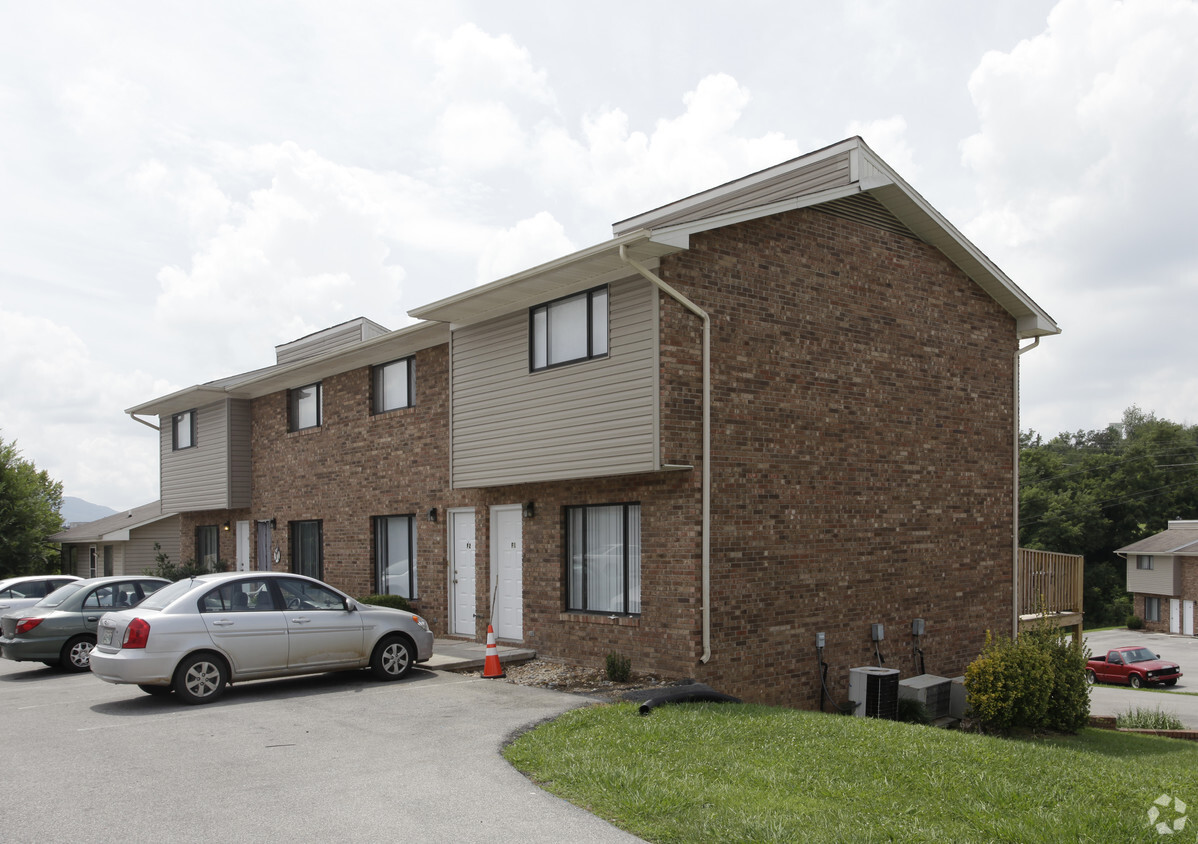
(1144, 562)
(381, 546)
(1152, 608)
(590, 354)
(203, 543)
(627, 545)
(293, 398)
(377, 396)
(294, 541)
(190, 416)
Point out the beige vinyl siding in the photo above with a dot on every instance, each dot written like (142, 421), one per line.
(329, 340)
(139, 550)
(587, 419)
(1163, 579)
(202, 477)
(239, 453)
(833, 172)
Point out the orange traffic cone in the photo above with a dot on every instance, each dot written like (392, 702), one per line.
(491, 668)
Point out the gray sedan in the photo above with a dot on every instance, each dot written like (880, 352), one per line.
(60, 629)
(17, 592)
(198, 635)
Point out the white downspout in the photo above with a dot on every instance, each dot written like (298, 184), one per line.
(706, 528)
(133, 416)
(1015, 571)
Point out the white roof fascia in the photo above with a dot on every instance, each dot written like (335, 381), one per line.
(581, 270)
(679, 235)
(932, 227)
(273, 378)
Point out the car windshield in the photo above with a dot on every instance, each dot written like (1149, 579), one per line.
(167, 594)
(1138, 655)
(60, 594)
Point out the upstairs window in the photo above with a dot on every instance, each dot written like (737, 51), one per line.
(393, 385)
(183, 430)
(304, 407)
(1144, 562)
(568, 330)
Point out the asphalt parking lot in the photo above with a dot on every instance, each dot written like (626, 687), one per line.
(1180, 700)
(332, 757)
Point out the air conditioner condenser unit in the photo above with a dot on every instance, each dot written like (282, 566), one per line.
(874, 691)
(935, 693)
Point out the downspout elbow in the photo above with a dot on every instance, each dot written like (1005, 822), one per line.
(135, 418)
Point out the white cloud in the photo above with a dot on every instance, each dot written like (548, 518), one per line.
(625, 171)
(479, 136)
(63, 407)
(476, 65)
(528, 243)
(1083, 167)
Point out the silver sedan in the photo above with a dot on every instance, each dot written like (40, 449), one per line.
(197, 635)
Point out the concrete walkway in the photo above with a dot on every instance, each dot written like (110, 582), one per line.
(464, 655)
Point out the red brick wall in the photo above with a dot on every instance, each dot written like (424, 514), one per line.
(862, 459)
(862, 436)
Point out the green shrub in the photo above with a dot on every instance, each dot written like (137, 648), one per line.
(1134, 622)
(1069, 698)
(619, 668)
(1010, 684)
(163, 567)
(1148, 719)
(397, 602)
(1037, 681)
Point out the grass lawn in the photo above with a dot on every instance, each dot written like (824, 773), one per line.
(724, 772)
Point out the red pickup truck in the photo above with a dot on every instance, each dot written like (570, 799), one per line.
(1134, 666)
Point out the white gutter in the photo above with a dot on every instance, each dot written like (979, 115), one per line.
(1015, 570)
(706, 541)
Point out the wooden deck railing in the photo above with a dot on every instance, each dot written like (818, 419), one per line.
(1049, 582)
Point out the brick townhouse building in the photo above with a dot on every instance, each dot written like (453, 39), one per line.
(783, 406)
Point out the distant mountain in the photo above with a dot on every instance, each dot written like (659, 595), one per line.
(76, 510)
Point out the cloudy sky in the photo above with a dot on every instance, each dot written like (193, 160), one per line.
(184, 186)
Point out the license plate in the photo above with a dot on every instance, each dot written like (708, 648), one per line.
(106, 635)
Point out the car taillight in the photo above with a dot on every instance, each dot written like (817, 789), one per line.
(27, 624)
(136, 634)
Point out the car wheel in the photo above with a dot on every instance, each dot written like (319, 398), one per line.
(76, 653)
(1090, 677)
(392, 658)
(201, 678)
(1170, 682)
(156, 691)
(1134, 681)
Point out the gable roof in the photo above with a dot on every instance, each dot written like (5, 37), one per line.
(847, 179)
(1180, 538)
(114, 528)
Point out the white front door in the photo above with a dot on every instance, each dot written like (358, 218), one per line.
(507, 566)
(461, 572)
(243, 546)
(1188, 618)
(1174, 615)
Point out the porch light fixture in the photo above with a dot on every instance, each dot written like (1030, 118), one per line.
(530, 510)
(226, 525)
(432, 514)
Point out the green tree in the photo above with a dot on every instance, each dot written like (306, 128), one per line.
(1092, 492)
(29, 505)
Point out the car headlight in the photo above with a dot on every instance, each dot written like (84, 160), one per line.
(421, 623)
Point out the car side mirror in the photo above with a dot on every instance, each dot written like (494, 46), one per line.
(1158, 656)
(350, 605)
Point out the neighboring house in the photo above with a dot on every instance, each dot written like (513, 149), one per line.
(1162, 575)
(120, 544)
(786, 405)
